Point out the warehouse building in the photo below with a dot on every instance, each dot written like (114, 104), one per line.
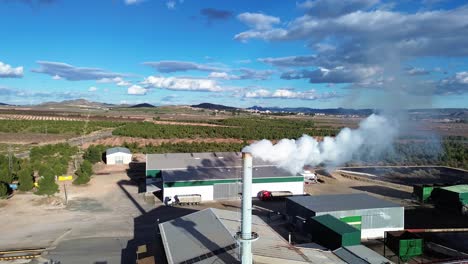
(118, 155)
(207, 236)
(215, 175)
(371, 215)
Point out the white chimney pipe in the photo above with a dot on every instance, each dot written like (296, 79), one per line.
(246, 228)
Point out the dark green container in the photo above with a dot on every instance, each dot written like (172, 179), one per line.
(332, 233)
(423, 192)
(153, 174)
(454, 198)
(404, 244)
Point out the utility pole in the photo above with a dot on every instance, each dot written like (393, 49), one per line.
(10, 161)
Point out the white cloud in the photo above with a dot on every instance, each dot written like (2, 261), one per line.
(368, 34)
(171, 5)
(258, 21)
(136, 90)
(182, 66)
(92, 89)
(457, 84)
(72, 73)
(7, 71)
(291, 61)
(132, 2)
(223, 75)
(182, 84)
(119, 81)
(56, 77)
(289, 94)
(417, 71)
(339, 74)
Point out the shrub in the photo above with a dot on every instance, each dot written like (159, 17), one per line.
(26, 180)
(47, 185)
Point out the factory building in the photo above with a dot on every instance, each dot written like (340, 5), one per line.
(215, 176)
(207, 236)
(118, 155)
(371, 215)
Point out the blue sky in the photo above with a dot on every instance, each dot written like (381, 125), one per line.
(313, 53)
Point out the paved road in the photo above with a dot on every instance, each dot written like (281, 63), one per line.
(90, 250)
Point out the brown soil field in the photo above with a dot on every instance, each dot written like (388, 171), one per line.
(32, 138)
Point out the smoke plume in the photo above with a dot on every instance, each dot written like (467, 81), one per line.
(374, 135)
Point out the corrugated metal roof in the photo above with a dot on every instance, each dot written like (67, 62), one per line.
(221, 173)
(341, 202)
(333, 223)
(271, 247)
(198, 237)
(177, 161)
(360, 254)
(117, 150)
(457, 188)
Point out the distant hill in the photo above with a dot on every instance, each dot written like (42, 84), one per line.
(142, 105)
(80, 103)
(3, 104)
(214, 106)
(329, 111)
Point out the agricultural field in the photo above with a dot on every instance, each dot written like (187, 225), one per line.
(237, 128)
(54, 126)
(414, 175)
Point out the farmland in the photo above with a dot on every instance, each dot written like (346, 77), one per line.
(54, 126)
(239, 128)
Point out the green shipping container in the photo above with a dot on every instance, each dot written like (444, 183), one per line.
(423, 192)
(453, 198)
(331, 232)
(404, 244)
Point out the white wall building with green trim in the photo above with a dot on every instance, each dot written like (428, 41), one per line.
(216, 175)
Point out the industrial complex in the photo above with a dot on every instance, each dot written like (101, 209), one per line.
(215, 176)
(332, 228)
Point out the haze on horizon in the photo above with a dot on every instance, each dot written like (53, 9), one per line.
(310, 53)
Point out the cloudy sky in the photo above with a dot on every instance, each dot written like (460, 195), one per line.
(313, 53)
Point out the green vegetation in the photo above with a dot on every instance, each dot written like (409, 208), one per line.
(452, 151)
(25, 179)
(47, 185)
(184, 147)
(240, 128)
(52, 159)
(94, 153)
(6, 175)
(4, 190)
(84, 173)
(54, 127)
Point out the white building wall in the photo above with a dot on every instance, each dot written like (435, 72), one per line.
(297, 188)
(206, 192)
(110, 159)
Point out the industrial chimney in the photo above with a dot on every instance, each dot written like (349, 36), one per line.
(246, 237)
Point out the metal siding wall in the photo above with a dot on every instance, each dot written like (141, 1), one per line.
(379, 219)
(227, 191)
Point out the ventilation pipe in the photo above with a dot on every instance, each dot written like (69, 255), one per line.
(246, 237)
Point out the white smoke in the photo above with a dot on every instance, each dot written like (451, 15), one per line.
(374, 135)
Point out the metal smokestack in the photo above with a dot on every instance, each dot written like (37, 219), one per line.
(246, 223)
